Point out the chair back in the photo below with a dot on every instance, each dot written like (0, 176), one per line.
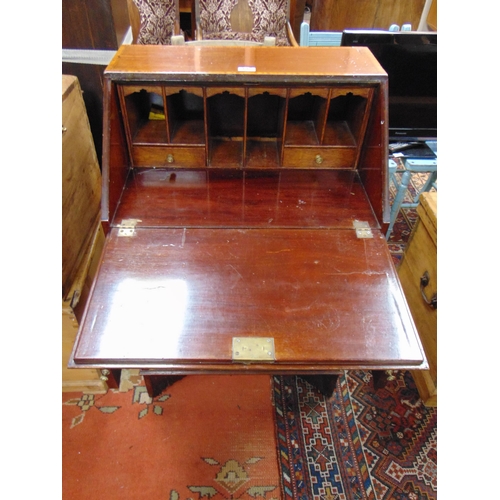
(154, 22)
(245, 20)
(310, 38)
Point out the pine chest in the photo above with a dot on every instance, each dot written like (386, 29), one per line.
(418, 274)
(82, 233)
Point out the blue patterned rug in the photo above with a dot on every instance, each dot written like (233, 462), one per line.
(407, 217)
(361, 444)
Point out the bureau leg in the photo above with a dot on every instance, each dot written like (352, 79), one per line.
(381, 377)
(111, 377)
(156, 384)
(325, 384)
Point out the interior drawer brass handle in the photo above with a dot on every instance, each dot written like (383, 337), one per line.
(170, 158)
(424, 281)
(319, 159)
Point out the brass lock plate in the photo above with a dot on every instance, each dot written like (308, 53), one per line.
(247, 349)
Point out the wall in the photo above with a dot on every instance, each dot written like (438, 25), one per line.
(92, 25)
(337, 15)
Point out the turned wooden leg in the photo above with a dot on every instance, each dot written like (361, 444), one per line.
(156, 384)
(111, 377)
(325, 384)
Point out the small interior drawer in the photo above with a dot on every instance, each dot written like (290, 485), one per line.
(171, 156)
(319, 157)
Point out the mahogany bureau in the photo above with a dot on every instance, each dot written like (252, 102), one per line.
(245, 201)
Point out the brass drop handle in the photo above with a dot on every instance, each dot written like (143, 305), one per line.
(424, 281)
(319, 159)
(170, 158)
(104, 374)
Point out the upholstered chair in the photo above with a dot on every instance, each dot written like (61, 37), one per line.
(244, 20)
(154, 22)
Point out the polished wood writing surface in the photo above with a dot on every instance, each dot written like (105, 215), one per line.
(177, 297)
(288, 198)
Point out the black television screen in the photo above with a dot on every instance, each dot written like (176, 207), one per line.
(410, 60)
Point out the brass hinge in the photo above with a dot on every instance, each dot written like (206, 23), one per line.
(127, 227)
(247, 349)
(363, 229)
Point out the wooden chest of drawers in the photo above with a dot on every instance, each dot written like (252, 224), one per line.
(245, 199)
(418, 274)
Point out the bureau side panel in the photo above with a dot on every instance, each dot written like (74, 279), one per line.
(373, 166)
(115, 162)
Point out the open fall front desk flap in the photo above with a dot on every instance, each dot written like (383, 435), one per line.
(177, 297)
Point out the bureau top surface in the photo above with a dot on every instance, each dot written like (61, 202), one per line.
(209, 63)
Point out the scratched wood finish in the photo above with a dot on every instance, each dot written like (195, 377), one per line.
(177, 297)
(319, 199)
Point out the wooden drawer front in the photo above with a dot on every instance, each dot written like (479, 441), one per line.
(420, 258)
(319, 157)
(167, 156)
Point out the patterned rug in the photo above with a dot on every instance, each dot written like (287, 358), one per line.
(361, 444)
(205, 437)
(248, 437)
(407, 217)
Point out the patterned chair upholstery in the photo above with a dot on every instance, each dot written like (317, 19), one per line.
(159, 21)
(270, 19)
